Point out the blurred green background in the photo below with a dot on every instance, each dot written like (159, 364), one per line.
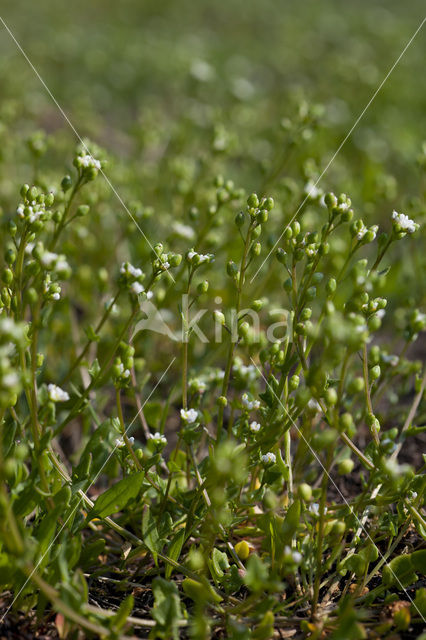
(178, 92)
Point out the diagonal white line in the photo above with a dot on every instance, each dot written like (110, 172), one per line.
(343, 142)
(68, 121)
(79, 502)
(361, 525)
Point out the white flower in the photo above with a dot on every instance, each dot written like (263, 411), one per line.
(404, 222)
(292, 556)
(361, 233)
(314, 405)
(158, 437)
(137, 288)
(269, 458)
(9, 380)
(56, 394)
(119, 443)
(88, 161)
(128, 269)
(249, 404)
(312, 191)
(183, 230)
(56, 296)
(189, 415)
(48, 258)
(314, 509)
(254, 427)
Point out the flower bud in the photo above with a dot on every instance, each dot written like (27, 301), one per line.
(294, 382)
(253, 201)
(231, 268)
(219, 317)
(256, 249)
(66, 183)
(203, 287)
(288, 285)
(242, 549)
(281, 256)
(239, 219)
(82, 210)
(330, 200)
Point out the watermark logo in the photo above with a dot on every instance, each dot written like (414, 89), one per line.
(185, 324)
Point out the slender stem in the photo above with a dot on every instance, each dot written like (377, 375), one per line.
(367, 392)
(321, 523)
(89, 342)
(229, 361)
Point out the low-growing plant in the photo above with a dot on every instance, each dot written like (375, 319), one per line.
(225, 433)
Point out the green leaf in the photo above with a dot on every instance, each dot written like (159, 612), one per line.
(174, 550)
(167, 610)
(291, 522)
(402, 570)
(117, 497)
(150, 533)
(257, 574)
(124, 610)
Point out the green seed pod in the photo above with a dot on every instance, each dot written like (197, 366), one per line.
(305, 492)
(82, 210)
(375, 372)
(7, 276)
(253, 201)
(331, 286)
(262, 216)
(345, 421)
(339, 528)
(306, 314)
(311, 293)
(175, 260)
(10, 256)
(257, 305)
(300, 329)
(12, 228)
(346, 466)
(269, 204)
(5, 297)
(330, 397)
(222, 401)
(24, 190)
(50, 199)
(257, 231)
(374, 323)
(317, 277)
(295, 228)
(356, 385)
(324, 248)
(222, 196)
(31, 295)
